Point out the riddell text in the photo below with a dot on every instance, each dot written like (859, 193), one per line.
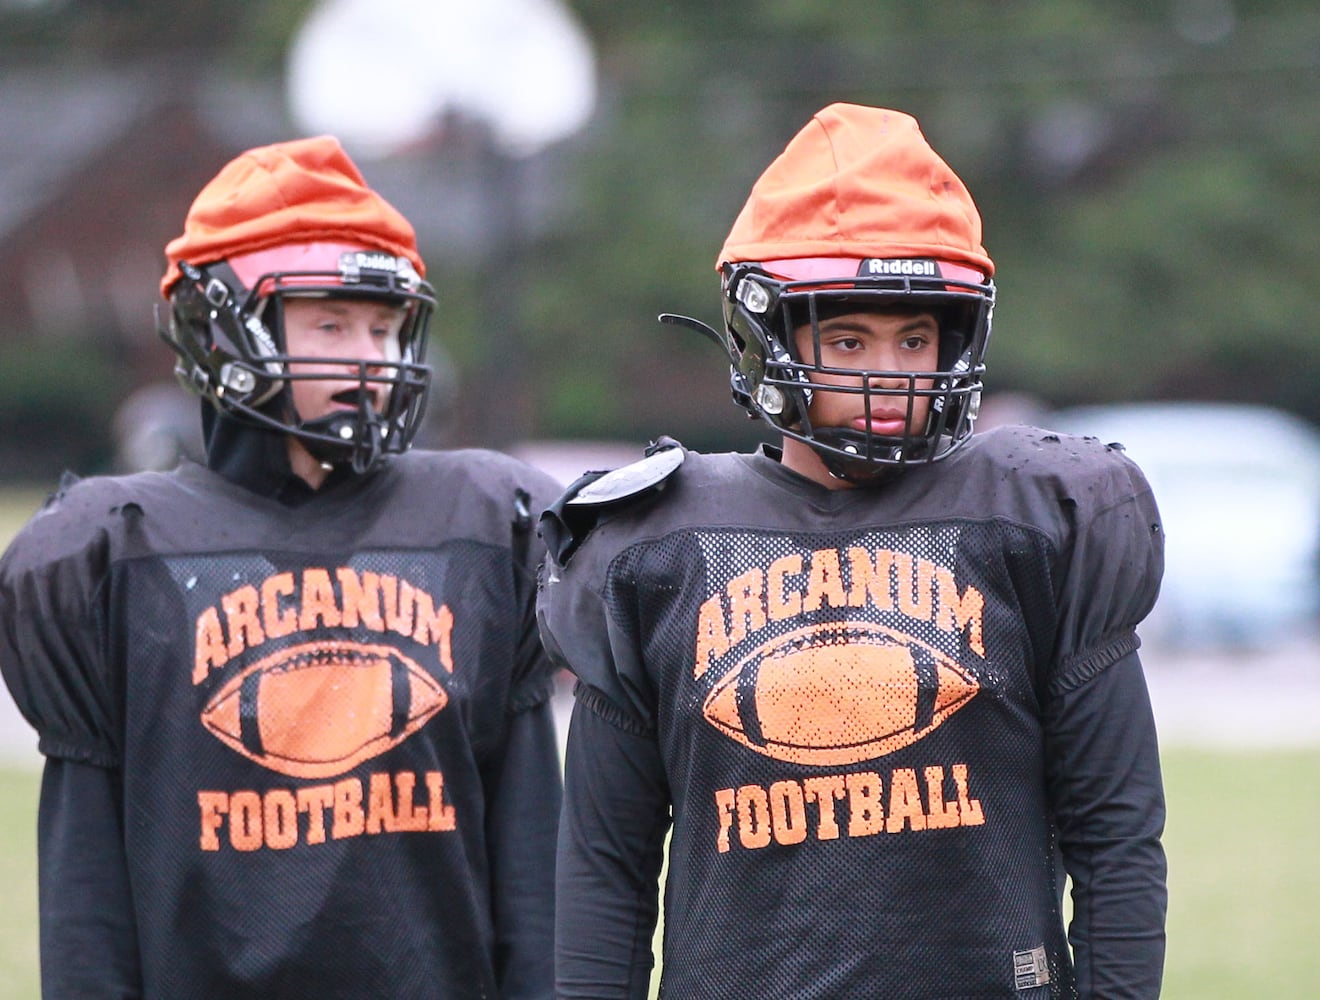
(858, 804)
(282, 818)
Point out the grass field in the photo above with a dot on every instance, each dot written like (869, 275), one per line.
(16, 506)
(18, 874)
(1244, 875)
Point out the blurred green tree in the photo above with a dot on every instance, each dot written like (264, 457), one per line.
(1147, 172)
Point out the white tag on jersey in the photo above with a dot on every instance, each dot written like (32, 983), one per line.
(1030, 968)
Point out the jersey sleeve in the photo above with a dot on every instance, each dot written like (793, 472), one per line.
(1103, 772)
(585, 630)
(611, 850)
(88, 931)
(532, 682)
(581, 634)
(1110, 572)
(533, 672)
(51, 640)
(521, 828)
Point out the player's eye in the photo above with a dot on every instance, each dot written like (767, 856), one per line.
(846, 343)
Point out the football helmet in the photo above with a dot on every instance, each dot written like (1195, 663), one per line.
(225, 323)
(765, 303)
(858, 213)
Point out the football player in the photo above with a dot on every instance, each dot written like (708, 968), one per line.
(879, 688)
(293, 704)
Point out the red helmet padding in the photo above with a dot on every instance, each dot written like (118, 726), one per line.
(309, 264)
(829, 268)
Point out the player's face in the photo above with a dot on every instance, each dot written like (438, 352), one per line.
(352, 329)
(349, 330)
(885, 342)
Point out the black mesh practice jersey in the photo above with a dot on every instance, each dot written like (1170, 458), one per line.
(308, 715)
(876, 724)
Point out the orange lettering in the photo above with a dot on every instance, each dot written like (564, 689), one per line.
(904, 801)
(724, 809)
(824, 791)
(941, 815)
(272, 820)
(242, 608)
(713, 640)
(778, 813)
(380, 805)
(870, 580)
(361, 599)
(208, 644)
(753, 816)
(245, 821)
(407, 816)
(318, 601)
(865, 813)
(435, 626)
(278, 622)
(398, 595)
(788, 812)
(314, 802)
(915, 578)
(213, 806)
(824, 581)
(954, 614)
(746, 607)
(780, 602)
(279, 811)
(349, 819)
(440, 815)
(970, 808)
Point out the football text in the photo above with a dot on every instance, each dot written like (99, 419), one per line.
(282, 818)
(856, 804)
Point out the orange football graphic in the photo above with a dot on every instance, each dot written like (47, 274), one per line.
(838, 693)
(317, 710)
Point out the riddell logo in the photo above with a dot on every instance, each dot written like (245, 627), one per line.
(837, 693)
(354, 263)
(320, 709)
(916, 268)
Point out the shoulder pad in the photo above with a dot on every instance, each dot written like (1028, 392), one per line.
(570, 519)
(628, 481)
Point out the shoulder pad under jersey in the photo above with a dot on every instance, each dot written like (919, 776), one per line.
(570, 518)
(628, 481)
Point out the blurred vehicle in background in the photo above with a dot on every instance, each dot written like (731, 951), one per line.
(1238, 487)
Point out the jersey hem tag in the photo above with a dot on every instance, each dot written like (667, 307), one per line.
(1030, 968)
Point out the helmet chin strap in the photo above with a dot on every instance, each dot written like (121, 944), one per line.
(356, 437)
(841, 444)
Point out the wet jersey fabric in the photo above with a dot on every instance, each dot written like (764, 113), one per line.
(876, 725)
(313, 730)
